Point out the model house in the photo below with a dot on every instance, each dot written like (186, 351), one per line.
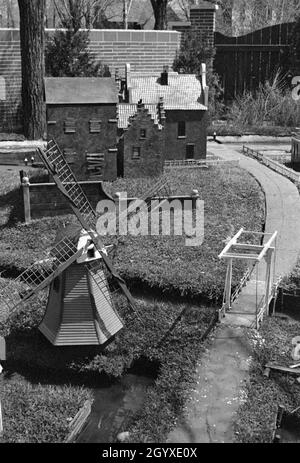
(81, 117)
(178, 102)
(142, 139)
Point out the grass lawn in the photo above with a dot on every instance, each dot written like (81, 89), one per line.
(263, 395)
(233, 200)
(163, 263)
(38, 413)
(255, 421)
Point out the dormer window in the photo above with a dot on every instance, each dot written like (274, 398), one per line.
(143, 133)
(95, 126)
(70, 125)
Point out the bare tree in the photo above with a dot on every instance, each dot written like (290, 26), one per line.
(160, 13)
(86, 13)
(183, 6)
(32, 14)
(251, 15)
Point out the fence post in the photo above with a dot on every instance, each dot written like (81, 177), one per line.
(26, 196)
(195, 197)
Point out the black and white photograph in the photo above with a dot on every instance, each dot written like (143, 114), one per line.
(149, 226)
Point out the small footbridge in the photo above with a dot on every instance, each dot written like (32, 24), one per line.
(251, 299)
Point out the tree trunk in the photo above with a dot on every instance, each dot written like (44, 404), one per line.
(160, 13)
(32, 14)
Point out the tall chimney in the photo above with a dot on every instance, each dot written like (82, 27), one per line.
(203, 20)
(164, 77)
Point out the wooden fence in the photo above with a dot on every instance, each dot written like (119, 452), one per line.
(296, 148)
(274, 165)
(199, 163)
(246, 61)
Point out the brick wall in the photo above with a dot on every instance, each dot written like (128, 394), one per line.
(144, 50)
(10, 69)
(82, 141)
(196, 123)
(202, 19)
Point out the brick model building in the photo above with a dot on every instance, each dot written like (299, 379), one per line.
(142, 139)
(81, 117)
(161, 117)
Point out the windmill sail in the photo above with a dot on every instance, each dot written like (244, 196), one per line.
(38, 276)
(57, 165)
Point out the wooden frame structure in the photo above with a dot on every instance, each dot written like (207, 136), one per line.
(253, 254)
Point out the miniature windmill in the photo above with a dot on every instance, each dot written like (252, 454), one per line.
(82, 308)
(84, 286)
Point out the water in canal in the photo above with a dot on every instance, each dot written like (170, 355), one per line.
(113, 408)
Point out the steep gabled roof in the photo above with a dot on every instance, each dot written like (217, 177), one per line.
(80, 90)
(182, 92)
(128, 110)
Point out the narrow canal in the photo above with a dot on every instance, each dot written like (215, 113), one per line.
(113, 408)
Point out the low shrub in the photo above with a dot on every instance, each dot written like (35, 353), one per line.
(272, 102)
(292, 281)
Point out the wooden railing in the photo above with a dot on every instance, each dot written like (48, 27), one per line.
(242, 283)
(276, 166)
(199, 163)
(263, 306)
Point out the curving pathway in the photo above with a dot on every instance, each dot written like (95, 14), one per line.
(210, 412)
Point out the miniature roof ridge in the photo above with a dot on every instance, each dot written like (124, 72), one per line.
(183, 91)
(81, 90)
(126, 111)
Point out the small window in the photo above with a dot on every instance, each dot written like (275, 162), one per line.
(136, 152)
(190, 151)
(70, 155)
(95, 165)
(181, 129)
(143, 133)
(70, 125)
(95, 126)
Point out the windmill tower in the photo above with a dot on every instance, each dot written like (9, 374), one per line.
(80, 308)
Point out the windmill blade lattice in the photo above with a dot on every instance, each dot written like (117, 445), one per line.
(56, 163)
(38, 276)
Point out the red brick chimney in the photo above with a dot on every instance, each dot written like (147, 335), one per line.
(203, 20)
